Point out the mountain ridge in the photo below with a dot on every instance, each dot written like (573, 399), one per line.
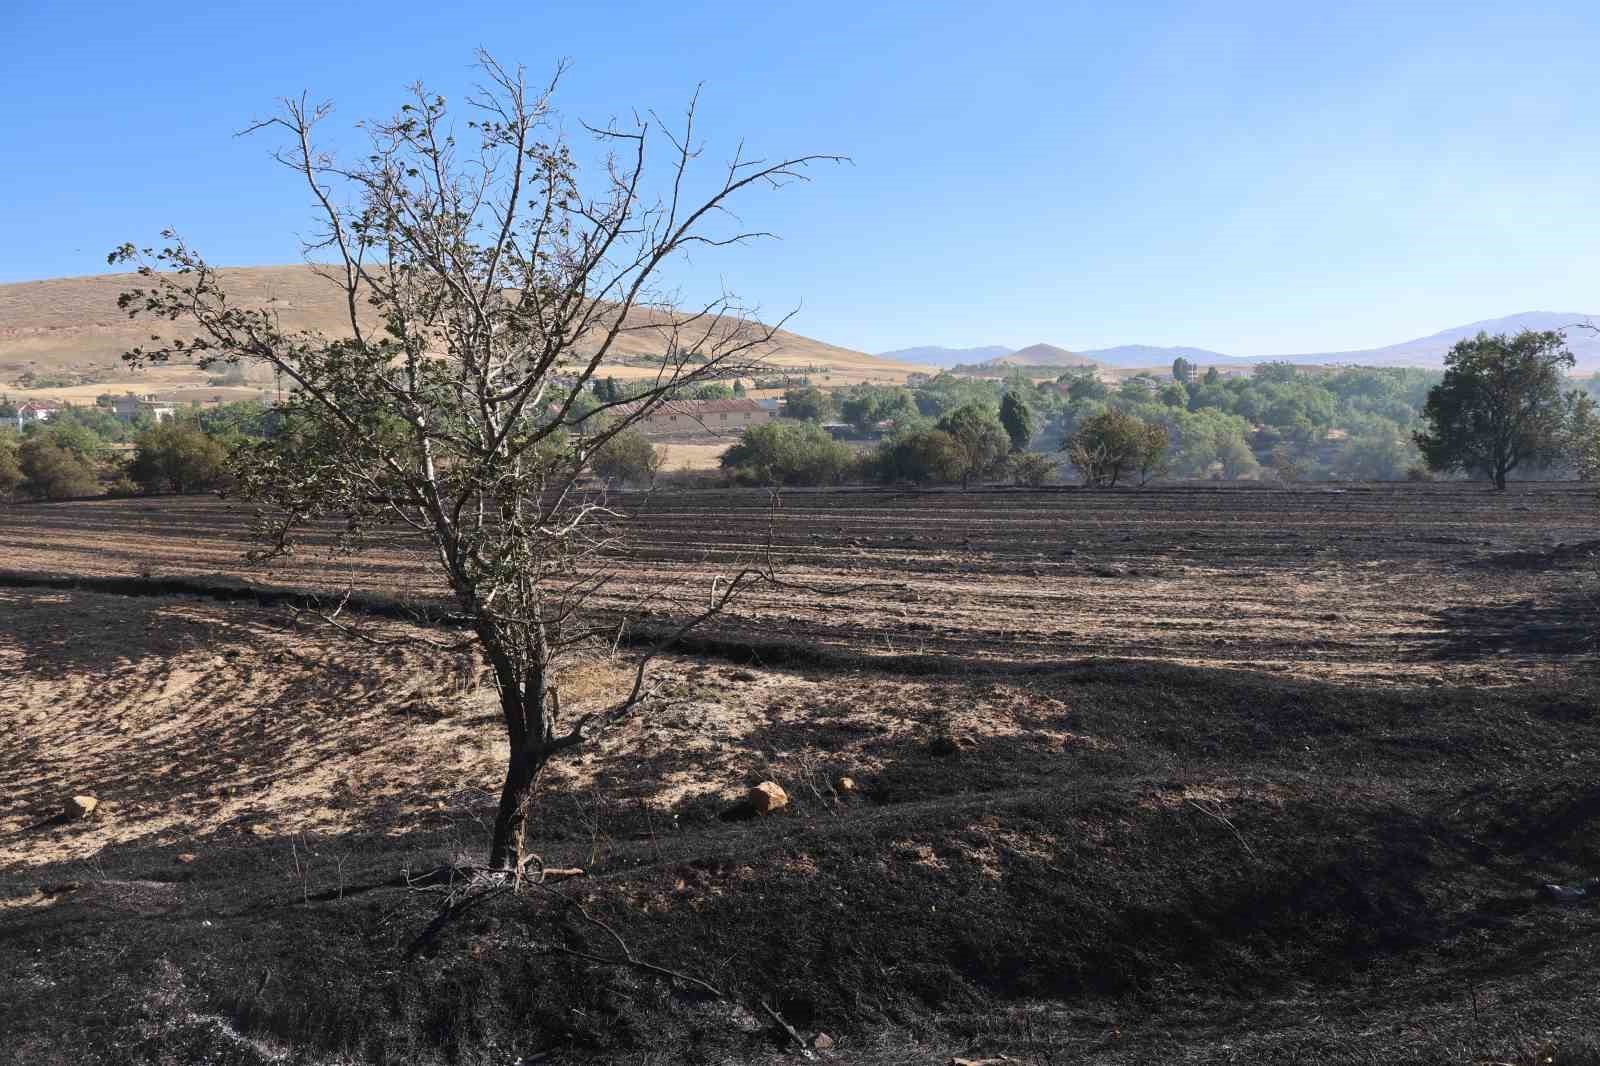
(1426, 352)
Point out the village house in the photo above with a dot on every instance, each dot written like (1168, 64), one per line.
(683, 418)
(33, 411)
(129, 407)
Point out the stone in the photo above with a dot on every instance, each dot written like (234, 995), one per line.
(822, 1042)
(767, 797)
(947, 744)
(188, 858)
(81, 807)
(844, 785)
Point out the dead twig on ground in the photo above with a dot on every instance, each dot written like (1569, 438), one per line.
(1218, 816)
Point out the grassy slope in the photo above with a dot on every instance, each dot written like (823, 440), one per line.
(74, 322)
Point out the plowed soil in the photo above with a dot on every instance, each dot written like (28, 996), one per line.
(1396, 584)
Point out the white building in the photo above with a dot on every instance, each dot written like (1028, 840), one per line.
(33, 411)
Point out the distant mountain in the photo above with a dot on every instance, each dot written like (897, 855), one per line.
(1430, 351)
(1142, 355)
(933, 355)
(1423, 352)
(1042, 355)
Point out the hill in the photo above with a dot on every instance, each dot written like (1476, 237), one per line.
(74, 324)
(932, 355)
(1426, 351)
(1043, 355)
(1430, 351)
(1146, 355)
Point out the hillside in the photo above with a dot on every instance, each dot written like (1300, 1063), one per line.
(1043, 355)
(1430, 351)
(933, 355)
(74, 324)
(1147, 355)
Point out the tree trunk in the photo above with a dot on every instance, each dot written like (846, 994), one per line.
(530, 726)
(510, 821)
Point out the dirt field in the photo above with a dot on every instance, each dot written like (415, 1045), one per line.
(1194, 775)
(1394, 584)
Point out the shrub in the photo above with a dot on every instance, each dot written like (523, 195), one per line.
(179, 456)
(53, 472)
(10, 467)
(788, 452)
(1031, 469)
(627, 457)
(809, 404)
(920, 456)
(1114, 443)
(1375, 456)
(1287, 466)
(983, 441)
(1017, 418)
(1236, 461)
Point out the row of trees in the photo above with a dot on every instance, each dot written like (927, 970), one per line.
(74, 453)
(970, 442)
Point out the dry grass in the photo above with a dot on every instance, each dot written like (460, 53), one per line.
(75, 323)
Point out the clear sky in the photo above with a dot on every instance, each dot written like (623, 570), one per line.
(1252, 177)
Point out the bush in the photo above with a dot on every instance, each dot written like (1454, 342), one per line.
(808, 404)
(1017, 418)
(53, 472)
(1114, 443)
(10, 467)
(1031, 469)
(1287, 466)
(1376, 456)
(983, 441)
(920, 456)
(179, 456)
(1236, 461)
(788, 452)
(627, 457)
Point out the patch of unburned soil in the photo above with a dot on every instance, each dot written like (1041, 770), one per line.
(188, 718)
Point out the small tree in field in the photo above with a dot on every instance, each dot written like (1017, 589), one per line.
(1031, 470)
(1499, 406)
(1114, 443)
(52, 470)
(1580, 438)
(180, 456)
(629, 458)
(1017, 418)
(983, 442)
(10, 466)
(485, 288)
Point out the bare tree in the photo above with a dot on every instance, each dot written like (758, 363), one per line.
(484, 288)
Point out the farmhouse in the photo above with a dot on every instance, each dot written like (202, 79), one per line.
(129, 406)
(36, 411)
(697, 417)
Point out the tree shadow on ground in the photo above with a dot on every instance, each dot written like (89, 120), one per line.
(1567, 626)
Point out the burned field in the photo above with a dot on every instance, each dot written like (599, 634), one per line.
(1209, 775)
(1374, 584)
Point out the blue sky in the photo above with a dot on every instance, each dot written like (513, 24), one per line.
(1248, 177)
